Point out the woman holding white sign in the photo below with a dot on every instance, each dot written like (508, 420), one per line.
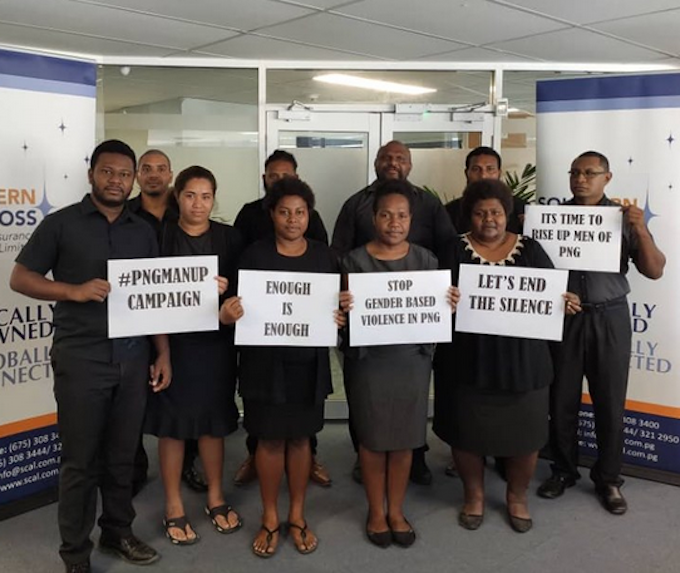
(387, 386)
(284, 388)
(491, 392)
(199, 404)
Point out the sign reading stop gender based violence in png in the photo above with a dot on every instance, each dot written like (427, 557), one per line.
(511, 301)
(287, 308)
(399, 308)
(577, 237)
(162, 296)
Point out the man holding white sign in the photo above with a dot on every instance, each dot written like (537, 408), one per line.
(100, 384)
(597, 345)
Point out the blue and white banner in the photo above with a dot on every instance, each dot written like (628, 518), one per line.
(47, 113)
(635, 122)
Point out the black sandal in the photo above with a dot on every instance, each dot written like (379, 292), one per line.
(179, 523)
(303, 536)
(224, 510)
(270, 535)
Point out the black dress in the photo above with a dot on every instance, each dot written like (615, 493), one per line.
(491, 392)
(200, 399)
(284, 388)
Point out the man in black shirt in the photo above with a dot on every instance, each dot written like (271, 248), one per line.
(484, 163)
(597, 344)
(430, 228)
(100, 384)
(255, 223)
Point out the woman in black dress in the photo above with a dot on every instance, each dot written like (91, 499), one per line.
(491, 392)
(199, 404)
(284, 388)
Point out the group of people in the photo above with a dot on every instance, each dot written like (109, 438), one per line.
(497, 396)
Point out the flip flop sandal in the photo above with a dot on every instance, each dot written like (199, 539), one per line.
(266, 554)
(179, 523)
(303, 537)
(223, 510)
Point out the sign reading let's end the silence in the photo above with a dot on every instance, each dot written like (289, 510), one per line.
(162, 296)
(577, 237)
(511, 301)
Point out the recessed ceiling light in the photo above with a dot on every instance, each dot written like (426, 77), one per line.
(369, 84)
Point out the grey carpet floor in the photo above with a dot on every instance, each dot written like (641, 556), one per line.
(571, 534)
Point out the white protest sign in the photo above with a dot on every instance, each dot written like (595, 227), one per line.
(577, 237)
(287, 309)
(511, 301)
(399, 308)
(162, 295)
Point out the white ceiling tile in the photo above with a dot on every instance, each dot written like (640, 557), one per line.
(477, 55)
(586, 11)
(474, 21)
(57, 41)
(575, 45)
(238, 14)
(654, 30)
(109, 23)
(258, 47)
(321, 4)
(361, 37)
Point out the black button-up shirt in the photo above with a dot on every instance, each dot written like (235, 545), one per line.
(75, 243)
(431, 226)
(255, 223)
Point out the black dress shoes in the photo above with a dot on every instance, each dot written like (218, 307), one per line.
(420, 473)
(82, 567)
(554, 486)
(612, 499)
(129, 549)
(193, 478)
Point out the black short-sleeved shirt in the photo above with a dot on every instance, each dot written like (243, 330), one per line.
(431, 227)
(75, 243)
(171, 214)
(255, 223)
(595, 287)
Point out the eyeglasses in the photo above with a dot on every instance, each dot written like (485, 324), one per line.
(575, 174)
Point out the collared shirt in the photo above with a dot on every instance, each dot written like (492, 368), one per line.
(255, 223)
(171, 214)
(595, 287)
(431, 227)
(75, 243)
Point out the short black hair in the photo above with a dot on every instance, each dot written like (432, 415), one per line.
(113, 146)
(194, 172)
(482, 150)
(486, 189)
(392, 187)
(156, 152)
(281, 155)
(285, 187)
(604, 162)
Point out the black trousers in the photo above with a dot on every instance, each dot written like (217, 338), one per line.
(597, 344)
(100, 409)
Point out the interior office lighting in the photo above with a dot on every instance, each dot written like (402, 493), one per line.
(369, 84)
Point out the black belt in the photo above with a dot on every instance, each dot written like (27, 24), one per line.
(603, 306)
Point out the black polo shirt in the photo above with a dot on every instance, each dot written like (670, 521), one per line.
(75, 243)
(255, 223)
(595, 287)
(431, 226)
(171, 214)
